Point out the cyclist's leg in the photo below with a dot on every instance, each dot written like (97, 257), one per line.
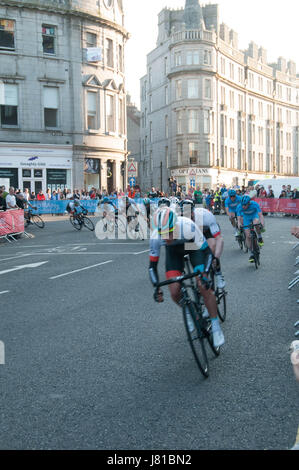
(258, 229)
(174, 268)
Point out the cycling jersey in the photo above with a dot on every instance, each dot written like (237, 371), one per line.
(204, 218)
(232, 205)
(252, 212)
(186, 232)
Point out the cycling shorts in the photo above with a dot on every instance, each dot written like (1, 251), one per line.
(175, 259)
(208, 234)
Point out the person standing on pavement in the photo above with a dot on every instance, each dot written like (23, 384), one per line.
(11, 202)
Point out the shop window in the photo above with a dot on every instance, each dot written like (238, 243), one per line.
(7, 34)
(9, 105)
(49, 38)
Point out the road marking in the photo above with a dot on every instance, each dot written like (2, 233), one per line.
(15, 257)
(141, 252)
(4, 292)
(85, 253)
(18, 268)
(82, 269)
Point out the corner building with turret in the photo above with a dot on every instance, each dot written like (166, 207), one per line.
(62, 94)
(211, 113)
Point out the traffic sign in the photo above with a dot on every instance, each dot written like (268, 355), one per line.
(132, 181)
(132, 169)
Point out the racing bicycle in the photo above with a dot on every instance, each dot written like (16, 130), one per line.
(33, 219)
(80, 220)
(255, 248)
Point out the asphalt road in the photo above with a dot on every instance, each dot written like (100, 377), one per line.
(91, 362)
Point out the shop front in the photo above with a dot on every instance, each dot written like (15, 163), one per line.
(36, 168)
(103, 173)
(188, 178)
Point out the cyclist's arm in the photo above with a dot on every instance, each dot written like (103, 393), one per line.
(262, 220)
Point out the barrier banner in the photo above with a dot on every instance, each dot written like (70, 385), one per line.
(11, 221)
(287, 206)
(59, 207)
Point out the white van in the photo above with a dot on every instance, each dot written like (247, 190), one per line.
(277, 184)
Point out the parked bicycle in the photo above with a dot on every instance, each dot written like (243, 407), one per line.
(254, 245)
(33, 219)
(198, 328)
(80, 220)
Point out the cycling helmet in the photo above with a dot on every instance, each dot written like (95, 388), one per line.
(77, 203)
(174, 200)
(187, 207)
(106, 199)
(146, 201)
(232, 193)
(164, 220)
(164, 201)
(245, 200)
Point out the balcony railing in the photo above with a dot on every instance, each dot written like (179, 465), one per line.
(193, 35)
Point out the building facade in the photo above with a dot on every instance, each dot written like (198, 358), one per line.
(133, 133)
(211, 113)
(62, 93)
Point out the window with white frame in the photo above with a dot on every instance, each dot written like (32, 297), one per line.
(193, 121)
(207, 153)
(179, 122)
(231, 71)
(240, 75)
(178, 89)
(166, 95)
(51, 106)
(49, 39)
(269, 87)
(120, 58)
(7, 34)
(232, 129)
(151, 132)
(232, 99)
(165, 65)
(166, 157)
(9, 104)
(92, 110)
(222, 65)
(261, 109)
(241, 103)
(110, 113)
(180, 153)
(194, 152)
(121, 116)
(192, 57)
(177, 59)
(166, 127)
(207, 57)
(193, 89)
(208, 89)
(109, 52)
(223, 95)
(91, 39)
(206, 121)
(260, 84)
(150, 103)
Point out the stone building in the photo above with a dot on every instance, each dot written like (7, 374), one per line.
(211, 113)
(62, 93)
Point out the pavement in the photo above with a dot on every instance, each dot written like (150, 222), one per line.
(92, 362)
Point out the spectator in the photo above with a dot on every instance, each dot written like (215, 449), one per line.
(289, 192)
(132, 193)
(26, 194)
(262, 192)
(93, 194)
(32, 196)
(153, 193)
(270, 194)
(54, 196)
(2, 201)
(283, 195)
(41, 196)
(5, 193)
(11, 202)
(295, 193)
(59, 194)
(48, 194)
(269, 189)
(197, 195)
(68, 194)
(77, 194)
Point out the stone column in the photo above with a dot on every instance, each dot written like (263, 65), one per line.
(117, 184)
(103, 175)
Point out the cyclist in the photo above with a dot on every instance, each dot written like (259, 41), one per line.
(74, 208)
(231, 204)
(250, 212)
(207, 223)
(176, 233)
(217, 201)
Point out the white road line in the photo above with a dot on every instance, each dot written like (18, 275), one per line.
(141, 252)
(79, 270)
(5, 292)
(16, 257)
(74, 253)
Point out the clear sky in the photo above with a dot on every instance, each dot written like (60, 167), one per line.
(272, 24)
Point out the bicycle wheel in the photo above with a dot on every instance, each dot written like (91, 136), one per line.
(256, 252)
(240, 241)
(88, 224)
(75, 223)
(245, 247)
(38, 221)
(221, 304)
(196, 338)
(120, 222)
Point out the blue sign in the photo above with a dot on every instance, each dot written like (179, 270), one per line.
(59, 207)
(132, 181)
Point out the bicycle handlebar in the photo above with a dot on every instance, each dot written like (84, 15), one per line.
(180, 279)
(251, 225)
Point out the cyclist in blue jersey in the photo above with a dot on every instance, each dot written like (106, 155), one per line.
(250, 212)
(231, 204)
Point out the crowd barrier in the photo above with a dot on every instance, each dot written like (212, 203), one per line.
(272, 205)
(11, 223)
(59, 207)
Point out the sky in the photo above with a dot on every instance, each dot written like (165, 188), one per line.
(272, 24)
